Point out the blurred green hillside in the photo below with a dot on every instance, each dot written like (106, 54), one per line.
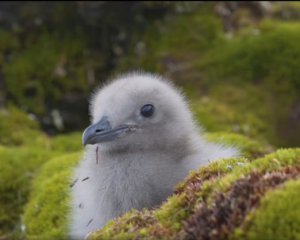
(238, 63)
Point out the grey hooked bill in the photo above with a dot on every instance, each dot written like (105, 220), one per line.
(101, 132)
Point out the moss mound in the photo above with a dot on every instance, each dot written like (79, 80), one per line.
(219, 200)
(47, 210)
(26, 150)
(274, 219)
(17, 169)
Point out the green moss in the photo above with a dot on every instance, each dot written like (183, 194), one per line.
(17, 169)
(19, 163)
(45, 214)
(123, 228)
(249, 148)
(17, 129)
(55, 165)
(268, 62)
(221, 111)
(259, 74)
(281, 158)
(67, 142)
(261, 57)
(47, 210)
(46, 69)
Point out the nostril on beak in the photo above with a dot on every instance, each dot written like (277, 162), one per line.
(101, 127)
(100, 130)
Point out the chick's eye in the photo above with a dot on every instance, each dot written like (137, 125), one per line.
(147, 110)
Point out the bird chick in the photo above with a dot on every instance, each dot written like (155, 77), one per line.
(141, 143)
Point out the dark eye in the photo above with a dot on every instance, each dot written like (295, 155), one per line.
(147, 110)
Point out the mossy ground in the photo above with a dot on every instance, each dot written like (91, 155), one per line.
(46, 214)
(17, 168)
(177, 218)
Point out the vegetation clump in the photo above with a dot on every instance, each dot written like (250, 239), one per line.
(219, 203)
(46, 214)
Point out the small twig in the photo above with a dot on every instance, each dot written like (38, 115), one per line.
(85, 179)
(89, 222)
(73, 183)
(97, 155)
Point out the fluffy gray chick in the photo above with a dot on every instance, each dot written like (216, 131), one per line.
(141, 143)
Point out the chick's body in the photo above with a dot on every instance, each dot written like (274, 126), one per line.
(138, 154)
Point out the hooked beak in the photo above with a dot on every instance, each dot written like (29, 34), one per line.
(102, 132)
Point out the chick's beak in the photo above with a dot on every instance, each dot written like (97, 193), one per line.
(102, 132)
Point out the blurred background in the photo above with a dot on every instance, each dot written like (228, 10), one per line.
(238, 63)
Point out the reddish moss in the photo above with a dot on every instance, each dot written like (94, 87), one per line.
(230, 209)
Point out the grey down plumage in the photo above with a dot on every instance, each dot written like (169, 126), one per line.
(141, 143)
